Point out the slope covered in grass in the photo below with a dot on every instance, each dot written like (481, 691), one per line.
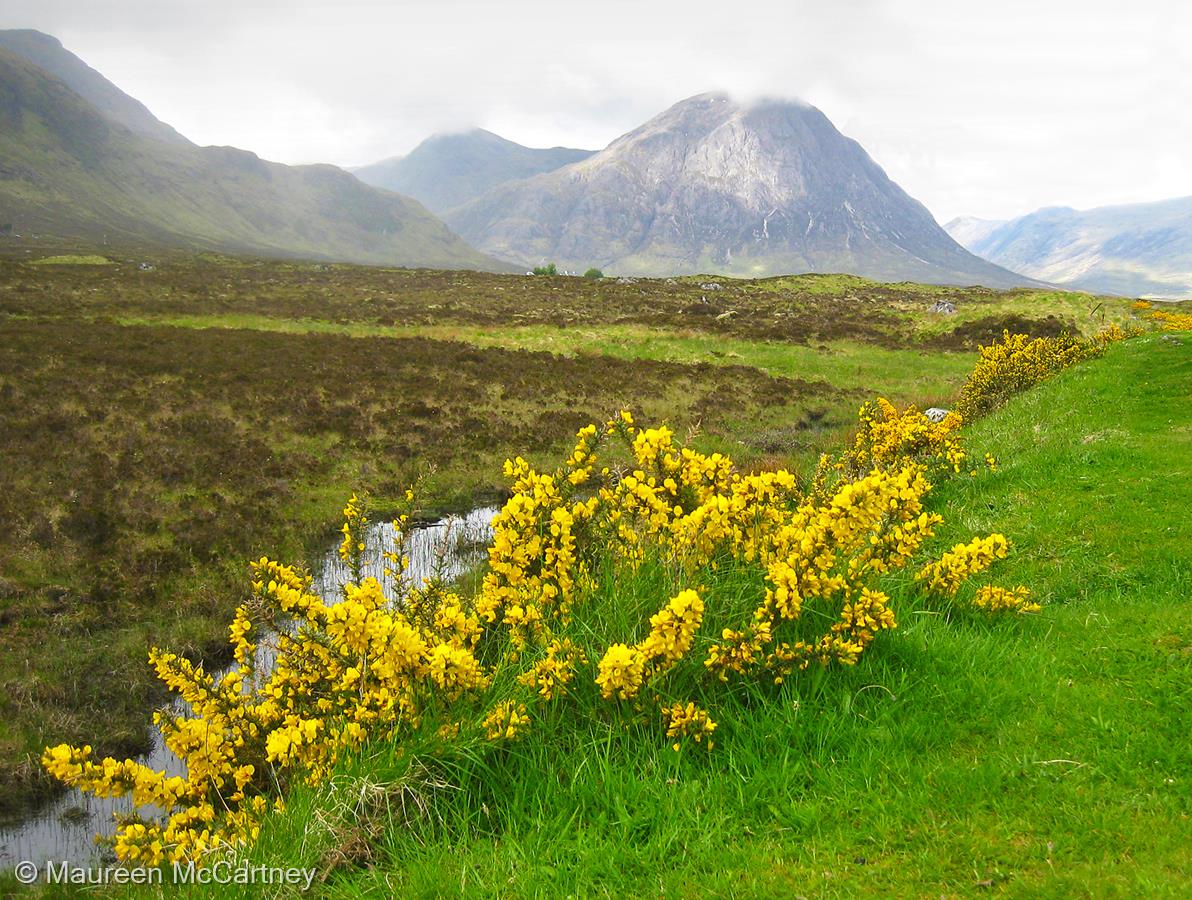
(1041, 756)
(68, 170)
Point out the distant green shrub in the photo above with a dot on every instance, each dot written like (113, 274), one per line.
(593, 273)
(550, 269)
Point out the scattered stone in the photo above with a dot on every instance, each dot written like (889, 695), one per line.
(935, 414)
(711, 286)
(146, 267)
(1171, 339)
(946, 307)
(626, 280)
(701, 308)
(725, 316)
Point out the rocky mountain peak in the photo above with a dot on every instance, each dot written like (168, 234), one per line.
(715, 184)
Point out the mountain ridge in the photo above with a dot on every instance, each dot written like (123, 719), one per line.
(710, 185)
(70, 170)
(1133, 249)
(47, 53)
(449, 169)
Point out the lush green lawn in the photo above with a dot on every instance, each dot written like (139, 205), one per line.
(1042, 756)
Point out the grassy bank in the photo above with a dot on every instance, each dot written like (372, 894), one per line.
(1039, 756)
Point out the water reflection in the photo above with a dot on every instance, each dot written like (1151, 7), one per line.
(65, 828)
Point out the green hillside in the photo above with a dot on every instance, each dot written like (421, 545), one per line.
(48, 54)
(69, 171)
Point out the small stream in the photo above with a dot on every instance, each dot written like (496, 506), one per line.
(64, 829)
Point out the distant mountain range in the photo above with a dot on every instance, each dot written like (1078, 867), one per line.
(708, 186)
(1139, 249)
(969, 230)
(711, 185)
(80, 159)
(448, 170)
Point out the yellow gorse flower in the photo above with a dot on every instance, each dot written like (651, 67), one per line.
(995, 599)
(1172, 321)
(945, 576)
(506, 721)
(621, 672)
(688, 721)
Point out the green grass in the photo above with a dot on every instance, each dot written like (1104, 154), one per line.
(966, 755)
(71, 260)
(907, 375)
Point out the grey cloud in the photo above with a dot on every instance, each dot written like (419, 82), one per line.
(989, 109)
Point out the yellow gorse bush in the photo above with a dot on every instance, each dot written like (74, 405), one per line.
(945, 576)
(550, 624)
(1014, 364)
(687, 721)
(1017, 362)
(888, 438)
(1172, 321)
(994, 598)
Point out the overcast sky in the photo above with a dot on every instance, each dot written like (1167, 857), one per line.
(990, 109)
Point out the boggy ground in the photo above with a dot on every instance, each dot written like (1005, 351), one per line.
(162, 426)
(793, 309)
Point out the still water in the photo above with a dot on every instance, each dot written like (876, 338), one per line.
(65, 828)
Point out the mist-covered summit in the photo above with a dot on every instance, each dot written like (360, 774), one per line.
(714, 185)
(447, 170)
